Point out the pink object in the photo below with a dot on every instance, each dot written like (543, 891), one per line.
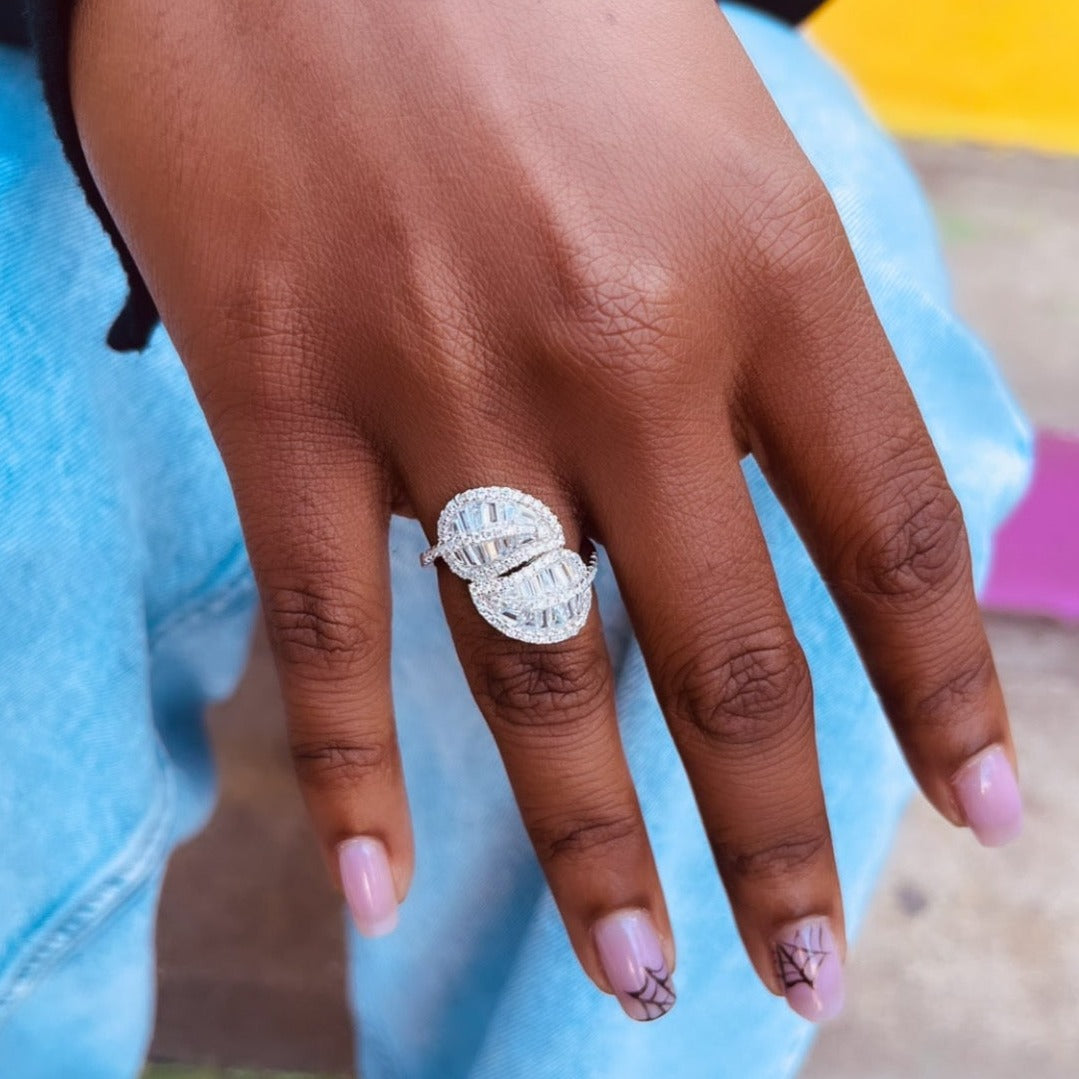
(989, 797)
(1035, 566)
(368, 883)
(809, 969)
(633, 961)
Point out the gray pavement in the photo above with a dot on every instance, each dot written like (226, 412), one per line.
(968, 965)
(1010, 225)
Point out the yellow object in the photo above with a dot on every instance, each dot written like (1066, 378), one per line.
(995, 71)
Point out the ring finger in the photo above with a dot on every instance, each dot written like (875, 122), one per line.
(736, 691)
(550, 706)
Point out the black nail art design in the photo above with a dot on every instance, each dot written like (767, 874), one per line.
(798, 961)
(656, 996)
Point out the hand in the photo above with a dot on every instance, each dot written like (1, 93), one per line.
(406, 249)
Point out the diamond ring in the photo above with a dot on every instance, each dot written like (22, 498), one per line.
(511, 549)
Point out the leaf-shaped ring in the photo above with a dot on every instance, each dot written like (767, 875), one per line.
(511, 549)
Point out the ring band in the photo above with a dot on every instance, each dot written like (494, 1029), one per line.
(511, 549)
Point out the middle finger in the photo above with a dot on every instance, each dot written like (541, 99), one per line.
(733, 682)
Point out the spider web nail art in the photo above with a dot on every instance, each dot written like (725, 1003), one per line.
(655, 996)
(798, 961)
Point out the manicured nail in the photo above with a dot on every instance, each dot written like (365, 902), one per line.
(989, 797)
(632, 959)
(368, 883)
(808, 966)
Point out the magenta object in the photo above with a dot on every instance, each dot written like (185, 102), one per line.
(1035, 568)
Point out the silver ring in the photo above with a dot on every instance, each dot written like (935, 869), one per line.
(511, 549)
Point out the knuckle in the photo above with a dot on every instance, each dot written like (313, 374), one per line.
(548, 687)
(919, 547)
(277, 340)
(773, 861)
(259, 299)
(584, 838)
(316, 628)
(339, 763)
(261, 315)
(793, 230)
(746, 691)
(963, 691)
(622, 313)
(620, 318)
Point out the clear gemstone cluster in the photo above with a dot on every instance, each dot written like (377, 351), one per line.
(511, 549)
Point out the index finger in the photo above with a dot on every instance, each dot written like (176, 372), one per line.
(843, 442)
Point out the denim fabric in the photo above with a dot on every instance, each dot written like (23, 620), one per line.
(127, 605)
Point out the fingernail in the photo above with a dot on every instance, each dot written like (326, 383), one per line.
(989, 796)
(808, 966)
(632, 959)
(368, 884)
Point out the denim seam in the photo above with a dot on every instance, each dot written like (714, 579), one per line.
(200, 607)
(129, 869)
(121, 877)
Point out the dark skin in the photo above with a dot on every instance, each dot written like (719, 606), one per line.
(407, 248)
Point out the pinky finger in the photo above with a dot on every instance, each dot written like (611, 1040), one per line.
(323, 575)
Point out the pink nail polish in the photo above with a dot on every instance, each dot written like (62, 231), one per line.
(989, 796)
(632, 959)
(368, 883)
(808, 967)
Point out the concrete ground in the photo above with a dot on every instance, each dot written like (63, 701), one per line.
(968, 965)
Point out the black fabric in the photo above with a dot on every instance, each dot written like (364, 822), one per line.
(13, 29)
(792, 11)
(46, 24)
(50, 26)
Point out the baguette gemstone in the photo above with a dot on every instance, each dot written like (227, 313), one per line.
(510, 547)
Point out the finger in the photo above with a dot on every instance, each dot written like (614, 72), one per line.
(842, 440)
(551, 709)
(315, 517)
(735, 688)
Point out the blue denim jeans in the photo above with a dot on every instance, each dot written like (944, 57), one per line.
(127, 606)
